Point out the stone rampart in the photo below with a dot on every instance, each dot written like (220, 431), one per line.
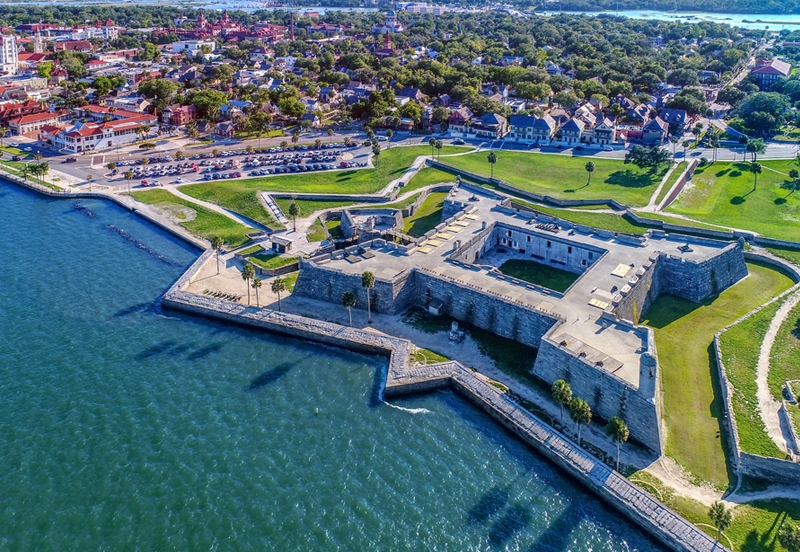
(607, 394)
(645, 287)
(697, 281)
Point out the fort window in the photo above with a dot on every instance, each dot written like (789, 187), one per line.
(569, 249)
(549, 244)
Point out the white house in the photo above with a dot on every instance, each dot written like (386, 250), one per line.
(191, 47)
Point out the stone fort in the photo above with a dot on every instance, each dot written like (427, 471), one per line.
(588, 335)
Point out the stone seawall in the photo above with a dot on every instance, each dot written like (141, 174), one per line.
(641, 508)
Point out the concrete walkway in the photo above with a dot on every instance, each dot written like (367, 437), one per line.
(651, 205)
(767, 405)
(216, 208)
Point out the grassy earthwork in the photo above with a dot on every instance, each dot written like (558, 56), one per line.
(565, 177)
(206, 223)
(740, 346)
(427, 216)
(310, 206)
(785, 358)
(241, 195)
(316, 232)
(684, 334)
(673, 178)
(722, 193)
(270, 261)
(538, 273)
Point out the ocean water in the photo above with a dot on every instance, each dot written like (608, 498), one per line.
(124, 427)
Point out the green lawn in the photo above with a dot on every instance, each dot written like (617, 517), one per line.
(335, 229)
(291, 280)
(565, 177)
(240, 195)
(722, 193)
(673, 178)
(206, 224)
(740, 347)
(427, 217)
(316, 232)
(684, 333)
(676, 220)
(785, 358)
(538, 273)
(427, 176)
(310, 206)
(270, 261)
(425, 356)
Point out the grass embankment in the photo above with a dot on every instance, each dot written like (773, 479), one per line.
(678, 220)
(565, 177)
(426, 177)
(755, 526)
(316, 232)
(538, 273)
(791, 255)
(740, 347)
(270, 261)
(684, 334)
(310, 206)
(240, 195)
(427, 216)
(335, 229)
(206, 223)
(722, 193)
(785, 358)
(606, 221)
(673, 178)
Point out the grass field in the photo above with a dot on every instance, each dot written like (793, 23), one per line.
(673, 178)
(270, 261)
(565, 177)
(791, 255)
(206, 224)
(538, 273)
(335, 229)
(740, 347)
(785, 358)
(684, 333)
(722, 193)
(427, 216)
(240, 195)
(676, 220)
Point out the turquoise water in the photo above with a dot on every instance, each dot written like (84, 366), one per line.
(127, 428)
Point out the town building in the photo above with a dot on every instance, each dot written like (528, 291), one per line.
(191, 47)
(767, 71)
(9, 55)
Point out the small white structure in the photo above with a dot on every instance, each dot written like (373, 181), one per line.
(192, 46)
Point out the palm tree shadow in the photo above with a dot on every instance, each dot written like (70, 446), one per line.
(489, 504)
(515, 519)
(270, 376)
(737, 200)
(780, 200)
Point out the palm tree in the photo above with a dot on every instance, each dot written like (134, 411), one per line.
(284, 144)
(713, 141)
(789, 537)
(721, 516)
(617, 429)
(317, 143)
(376, 152)
(38, 156)
(562, 394)
(755, 147)
(216, 244)
(248, 273)
(295, 136)
(3, 130)
(44, 168)
(697, 131)
(89, 179)
(581, 414)
(215, 152)
(278, 285)
(685, 145)
(439, 146)
(349, 301)
(590, 170)
(128, 177)
(432, 144)
(294, 210)
(330, 133)
(368, 282)
(347, 141)
(792, 186)
(179, 155)
(492, 158)
(257, 284)
(755, 168)
(674, 140)
(389, 134)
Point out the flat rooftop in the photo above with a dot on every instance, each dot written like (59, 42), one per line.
(617, 345)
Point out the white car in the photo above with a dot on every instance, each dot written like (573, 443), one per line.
(179, 180)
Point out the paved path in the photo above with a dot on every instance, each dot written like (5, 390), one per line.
(767, 405)
(651, 205)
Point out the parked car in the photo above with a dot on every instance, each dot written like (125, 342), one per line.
(458, 142)
(71, 160)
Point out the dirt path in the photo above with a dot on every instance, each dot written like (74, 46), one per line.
(767, 405)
